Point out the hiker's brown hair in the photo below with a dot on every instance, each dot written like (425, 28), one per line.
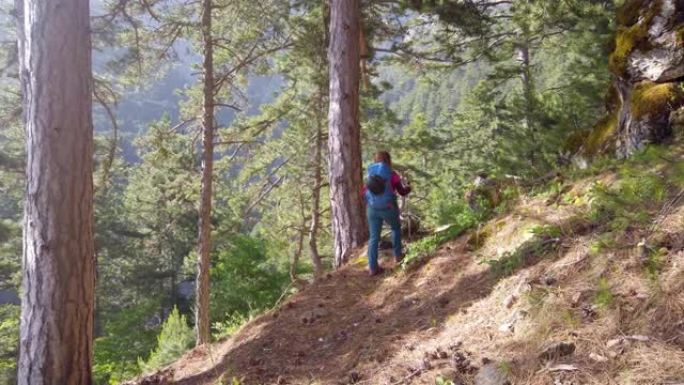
(384, 157)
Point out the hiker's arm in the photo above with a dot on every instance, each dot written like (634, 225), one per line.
(398, 186)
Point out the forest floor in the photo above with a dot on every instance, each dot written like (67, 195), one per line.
(537, 295)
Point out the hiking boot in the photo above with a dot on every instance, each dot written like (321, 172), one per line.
(377, 271)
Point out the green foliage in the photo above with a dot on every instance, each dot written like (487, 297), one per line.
(506, 368)
(9, 342)
(10, 254)
(423, 247)
(547, 231)
(604, 296)
(629, 201)
(603, 242)
(125, 338)
(176, 338)
(655, 262)
(443, 121)
(537, 297)
(244, 279)
(228, 327)
(439, 380)
(535, 248)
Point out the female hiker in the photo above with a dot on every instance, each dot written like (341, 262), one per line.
(380, 193)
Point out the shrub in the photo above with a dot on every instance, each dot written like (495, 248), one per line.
(9, 342)
(604, 296)
(244, 279)
(123, 342)
(227, 328)
(628, 203)
(176, 338)
(465, 219)
(654, 263)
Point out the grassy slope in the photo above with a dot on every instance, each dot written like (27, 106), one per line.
(596, 260)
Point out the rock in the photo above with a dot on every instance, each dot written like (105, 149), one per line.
(677, 122)
(597, 357)
(589, 312)
(563, 368)
(614, 342)
(558, 349)
(455, 345)
(549, 280)
(507, 327)
(491, 374)
(648, 66)
(639, 338)
(354, 377)
(510, 300)
(315, 314)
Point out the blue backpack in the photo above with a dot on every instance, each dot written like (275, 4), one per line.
(379, 194)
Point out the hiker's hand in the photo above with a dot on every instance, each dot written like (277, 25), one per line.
(405, 181)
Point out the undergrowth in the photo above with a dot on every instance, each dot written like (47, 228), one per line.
(534, 249)
(604, 296)
(631, 201)
(464, 220)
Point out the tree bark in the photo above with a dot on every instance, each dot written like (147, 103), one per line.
(204, 247)
(344, 140)
(56, 336)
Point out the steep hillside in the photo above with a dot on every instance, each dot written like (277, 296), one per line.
(581, 283)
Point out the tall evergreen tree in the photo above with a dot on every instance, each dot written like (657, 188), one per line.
(58, 262)
(344, 137)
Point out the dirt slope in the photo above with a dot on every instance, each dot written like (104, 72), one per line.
(546, 309)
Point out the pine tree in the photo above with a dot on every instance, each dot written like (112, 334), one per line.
(344, 138)
(58, 263)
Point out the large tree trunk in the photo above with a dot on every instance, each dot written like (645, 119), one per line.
(204, 258)
(56, 337)
(344, 140)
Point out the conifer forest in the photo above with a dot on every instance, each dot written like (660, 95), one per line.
(194, 192)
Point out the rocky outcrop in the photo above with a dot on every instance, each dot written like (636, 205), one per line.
(648, 64)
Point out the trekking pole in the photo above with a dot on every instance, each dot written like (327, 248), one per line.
(409, 219)
(405, 206)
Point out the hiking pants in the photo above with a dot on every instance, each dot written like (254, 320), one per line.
(375, 220)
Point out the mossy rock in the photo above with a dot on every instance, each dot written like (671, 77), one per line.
(650, 98)
(575, 141)
(679, 31)
(677, 122)
(632, 32)
(600, 137)
(628, 13)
